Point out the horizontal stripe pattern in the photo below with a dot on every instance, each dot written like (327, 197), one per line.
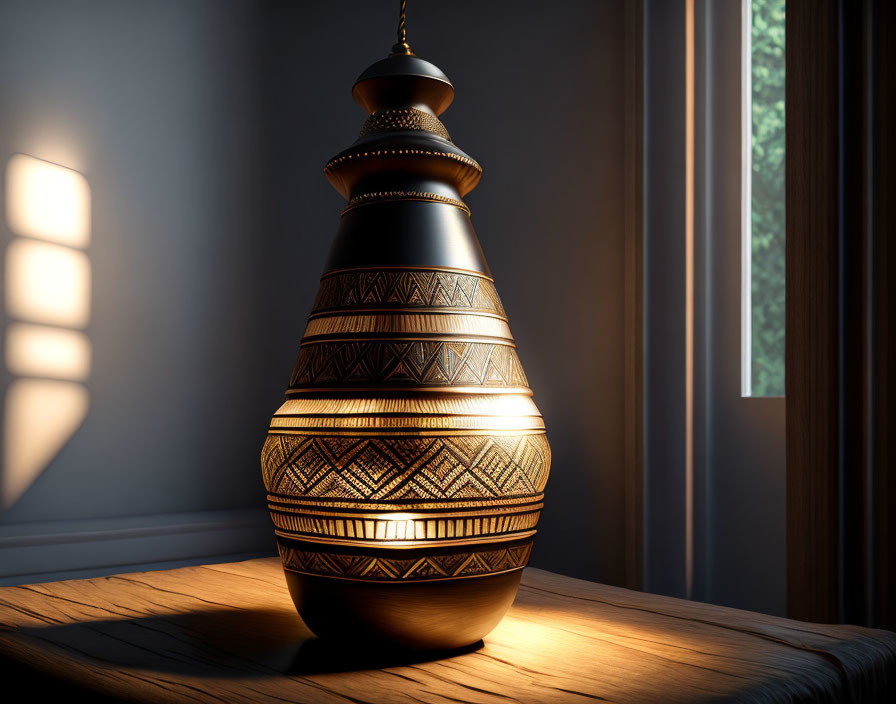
(393, 529)
(442, 324)
(422, 405)
(453, 508)
(420, 424)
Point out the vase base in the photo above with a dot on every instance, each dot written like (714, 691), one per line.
(430, 615)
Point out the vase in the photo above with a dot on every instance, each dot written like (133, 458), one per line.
(405, 470)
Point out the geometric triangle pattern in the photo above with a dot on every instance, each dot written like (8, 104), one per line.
(360, 289)
(384, 468)
(417, 363)
(466, 562)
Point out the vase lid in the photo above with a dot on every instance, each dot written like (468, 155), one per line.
(403, 80)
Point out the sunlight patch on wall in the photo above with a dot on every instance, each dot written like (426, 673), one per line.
(47, 293)
(47, 201)
(47, 283)
(41, 351)
(39, 418)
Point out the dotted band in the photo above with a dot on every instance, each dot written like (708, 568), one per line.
(404, 119)
(380, 196)
(333, 163)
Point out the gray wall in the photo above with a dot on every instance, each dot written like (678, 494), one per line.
(157, 104)
(202, 128)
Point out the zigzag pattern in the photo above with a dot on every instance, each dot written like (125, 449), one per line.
(407, 288)
(406, 468)
(461, 564)
(391, 363)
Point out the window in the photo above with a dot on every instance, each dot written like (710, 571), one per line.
(763, 199)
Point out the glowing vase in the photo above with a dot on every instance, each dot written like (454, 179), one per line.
(406, 468)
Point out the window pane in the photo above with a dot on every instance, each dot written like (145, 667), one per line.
(767, 223)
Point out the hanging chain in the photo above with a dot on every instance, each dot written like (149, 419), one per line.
(402, 21)
(402, 48)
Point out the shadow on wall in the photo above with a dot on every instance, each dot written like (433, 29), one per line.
(47, 299)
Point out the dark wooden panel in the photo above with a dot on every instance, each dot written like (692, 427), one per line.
(840, 347)
(230, 633)
(883, 492)
(811, 356)
(855, 239)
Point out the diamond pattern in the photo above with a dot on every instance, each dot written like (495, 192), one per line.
(406, 468)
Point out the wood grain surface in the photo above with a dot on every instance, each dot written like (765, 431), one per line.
(229, 633)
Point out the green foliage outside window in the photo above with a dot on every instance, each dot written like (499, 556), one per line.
(767, 217)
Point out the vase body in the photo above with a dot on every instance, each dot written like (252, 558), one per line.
(405, 470)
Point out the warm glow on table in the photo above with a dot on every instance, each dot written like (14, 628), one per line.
(229, 632)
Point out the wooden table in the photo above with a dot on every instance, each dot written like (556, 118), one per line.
(229, 633)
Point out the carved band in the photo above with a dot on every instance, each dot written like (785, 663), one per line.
(405, 567)
(422, 508)
(408, 324)
(421, 406)
(501, 524)
(407, 288)
(384, 196)
(406, 468)
(408, 152)
(390, 120)
(418, 424)
(391, 363)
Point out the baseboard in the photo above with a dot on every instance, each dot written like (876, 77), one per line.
(34, 552)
